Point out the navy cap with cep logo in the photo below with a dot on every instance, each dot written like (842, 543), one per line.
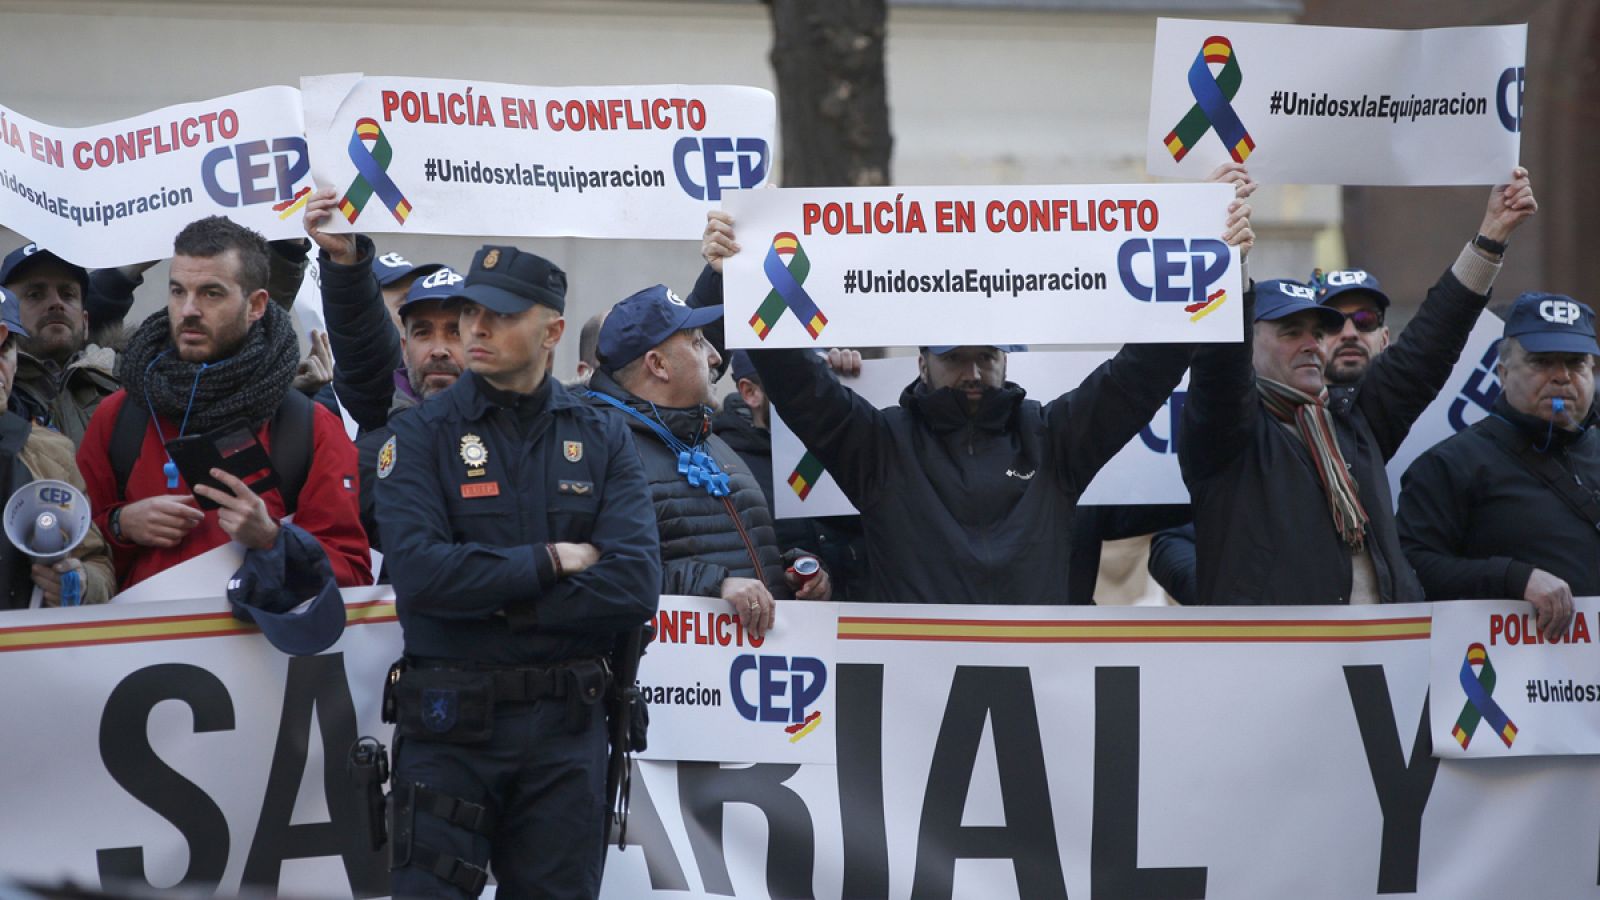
(391, 267)
(1552, 323)
(641, 322)
(1282, 297)
(20, 260)
(442, 283)
(1346, 281)
(511, 281)
(11, 313)
(1003, 348)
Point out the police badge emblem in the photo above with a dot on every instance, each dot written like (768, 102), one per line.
(572, 450)
(491, 259)
(386, 458)
(439, 710)
(474, 454)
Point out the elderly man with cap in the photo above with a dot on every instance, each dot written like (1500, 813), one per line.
(521, 546)
(717, 538)
(30, 452)
(362, 293)
(1508, 507)
(1291, 500)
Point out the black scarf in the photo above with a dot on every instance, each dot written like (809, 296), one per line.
(248, 385)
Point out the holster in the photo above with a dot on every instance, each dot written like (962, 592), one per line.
(586, 683)
(450, 706)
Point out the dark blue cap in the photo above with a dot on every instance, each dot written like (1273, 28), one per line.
(25, 257)
(1003, 348)
(271, 583)
(641, 322)
(1552, 323)
(742, 366)
(11, 313)
(442, 283)
(1282, 297)
(510, 281)
(1339, 282)
(391, 267)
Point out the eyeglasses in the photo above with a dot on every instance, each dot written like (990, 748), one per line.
(1365, 320)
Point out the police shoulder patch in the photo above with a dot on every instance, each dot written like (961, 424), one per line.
(386, 456)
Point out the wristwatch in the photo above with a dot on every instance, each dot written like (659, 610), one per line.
(116, 526)
(1489, 245)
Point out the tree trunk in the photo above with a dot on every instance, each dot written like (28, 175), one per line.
(833, 104)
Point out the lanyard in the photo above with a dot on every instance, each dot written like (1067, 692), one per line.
(694, 464)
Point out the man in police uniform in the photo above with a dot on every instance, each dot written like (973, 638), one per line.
(522, 542)
(1508, 507)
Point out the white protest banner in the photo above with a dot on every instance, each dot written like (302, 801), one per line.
(472, 157)
(118, 193)
(1316, 105)
(1502, 688)
(717, 693)
(983, 752)
(927, 266)
(1467, 397)
(1145, 471)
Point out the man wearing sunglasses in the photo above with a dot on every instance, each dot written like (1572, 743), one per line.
(1354, 294)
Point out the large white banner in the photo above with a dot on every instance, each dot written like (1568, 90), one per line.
(1301, 103)
(982, 752)
(1505, 689)
(118, 193)
(473, 157)
(1066, 264)
(1146, 471)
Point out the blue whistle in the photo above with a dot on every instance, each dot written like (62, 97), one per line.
(72, 587)
(1558, 404)
(171, 471)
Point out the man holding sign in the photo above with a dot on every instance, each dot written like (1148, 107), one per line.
(1290, 495)
(968, 489)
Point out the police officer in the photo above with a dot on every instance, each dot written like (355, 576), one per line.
(522, 542)
(1507, 507)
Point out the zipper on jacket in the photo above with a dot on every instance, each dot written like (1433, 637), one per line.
(748, 546)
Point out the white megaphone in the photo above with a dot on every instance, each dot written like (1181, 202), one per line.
(47, 520)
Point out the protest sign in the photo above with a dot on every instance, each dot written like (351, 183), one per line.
(1316, 105)
(981, 752)
(471, 157)
(1068, 264)
(1145, 471)
(118, 193)
(1468, 396)
(1501, 687)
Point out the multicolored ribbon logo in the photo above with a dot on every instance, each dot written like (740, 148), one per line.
(1213, 106)
(787, 267)
(806, 474)
(1479, 685)
(372, 174)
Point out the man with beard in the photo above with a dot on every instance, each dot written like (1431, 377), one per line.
(220, 354)
(61, 377)
(1507, 507)
(430, 343)
(1354, 294)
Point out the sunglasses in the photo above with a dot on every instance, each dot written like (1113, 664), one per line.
(1365, 320)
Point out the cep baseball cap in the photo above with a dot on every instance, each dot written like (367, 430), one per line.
(641, 322)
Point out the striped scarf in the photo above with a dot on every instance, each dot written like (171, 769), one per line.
(1310, 417)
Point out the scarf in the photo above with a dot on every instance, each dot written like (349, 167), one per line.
(202, 397)
(1310, 417)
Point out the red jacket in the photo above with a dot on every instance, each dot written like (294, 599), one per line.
(329, 505)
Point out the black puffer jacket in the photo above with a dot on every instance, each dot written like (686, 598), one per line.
(704, 539)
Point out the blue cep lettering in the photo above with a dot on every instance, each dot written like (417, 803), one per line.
(1204, 260)
(807, 677)
(262, 173)
(719, 156)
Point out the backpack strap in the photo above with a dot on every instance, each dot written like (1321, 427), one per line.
(293, 433)
(1546, 468)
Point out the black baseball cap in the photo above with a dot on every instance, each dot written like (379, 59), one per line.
(20, 260)
(1552, 323)
(1339, 282)
(641, 322)
(1283, 297)
(510, 281)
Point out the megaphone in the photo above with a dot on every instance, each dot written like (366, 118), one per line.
(47, 520)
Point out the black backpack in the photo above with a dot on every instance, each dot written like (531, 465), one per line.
(292, 431)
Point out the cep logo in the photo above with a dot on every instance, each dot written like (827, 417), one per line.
(1298, 290)
(1510, 106)
(441, 278)
(261, 172)
(394, 260)
(1171, 270)
(776, 688)
(1346, 277)
(1478, 394)
(719, 157)
(674, 299)
(58, 496)
(1559, 312)
(1167, 445)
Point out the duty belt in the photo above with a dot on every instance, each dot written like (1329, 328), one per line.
(516, 684)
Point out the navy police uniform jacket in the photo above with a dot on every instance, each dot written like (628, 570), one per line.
(474, 485)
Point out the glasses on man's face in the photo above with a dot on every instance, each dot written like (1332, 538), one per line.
(1365, 320)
